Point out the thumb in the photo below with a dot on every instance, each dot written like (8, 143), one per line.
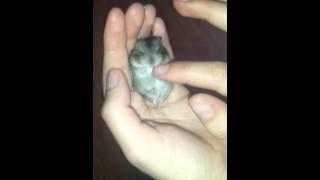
(117, 91)
(122, 120)
(212, 112)
(215, 12)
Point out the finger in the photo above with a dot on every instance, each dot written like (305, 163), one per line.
(212, 112)
(134, 20)
(208, 75)
(122, 120)
(215, 12)
(149, 18)
(115, 53)
(159, 29)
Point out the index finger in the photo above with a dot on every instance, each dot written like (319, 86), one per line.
(207, 75)
(115, 51)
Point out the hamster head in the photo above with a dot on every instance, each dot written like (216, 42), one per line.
(148, 52)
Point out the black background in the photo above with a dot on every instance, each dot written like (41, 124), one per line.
(47, 71)
(191, 40)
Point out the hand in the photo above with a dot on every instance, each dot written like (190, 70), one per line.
(173, 142)
(213, 11)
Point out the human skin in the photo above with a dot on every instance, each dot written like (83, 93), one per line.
(187, 137)
(212, 11)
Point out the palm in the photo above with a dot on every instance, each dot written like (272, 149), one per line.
(174, 111)
(178, 135)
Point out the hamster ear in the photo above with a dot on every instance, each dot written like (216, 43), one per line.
(157, 45)
(164, 52)
(166, 58)
(158, 41)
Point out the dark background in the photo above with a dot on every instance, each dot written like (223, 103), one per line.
(190, 39)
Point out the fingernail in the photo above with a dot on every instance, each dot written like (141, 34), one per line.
(112, 79)
(161, 69)
(203, 111)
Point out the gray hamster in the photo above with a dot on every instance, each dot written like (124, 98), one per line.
(148, 53)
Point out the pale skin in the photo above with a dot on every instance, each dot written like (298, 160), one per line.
(187, 137)
(212, 11)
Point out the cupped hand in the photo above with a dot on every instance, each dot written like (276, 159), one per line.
(173, 142)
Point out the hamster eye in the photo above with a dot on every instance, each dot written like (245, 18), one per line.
(135, 58)
(136, 55)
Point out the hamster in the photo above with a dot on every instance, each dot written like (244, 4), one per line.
(148, 53)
